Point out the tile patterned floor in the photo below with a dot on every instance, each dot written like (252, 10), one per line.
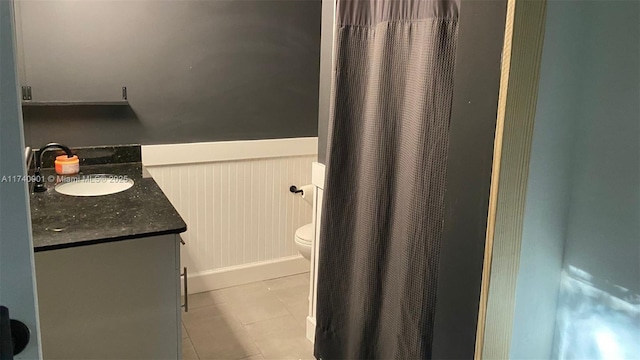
(260, 321)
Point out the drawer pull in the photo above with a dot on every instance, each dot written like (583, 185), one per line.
(186, 290)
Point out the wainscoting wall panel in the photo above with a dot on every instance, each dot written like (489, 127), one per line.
(239, 214)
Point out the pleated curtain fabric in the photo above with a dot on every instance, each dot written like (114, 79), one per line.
(383, 211)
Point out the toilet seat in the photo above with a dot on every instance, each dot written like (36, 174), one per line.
(304, 234)
(303, 240)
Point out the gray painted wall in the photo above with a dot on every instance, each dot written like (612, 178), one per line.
(549, 182)
(470, 158)
(598, 315)
(194, 70)
(583, 199)
(603, 235)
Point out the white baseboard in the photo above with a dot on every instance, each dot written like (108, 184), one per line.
(246, 273)
(311, 329)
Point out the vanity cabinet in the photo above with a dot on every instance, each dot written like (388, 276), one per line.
(114, 300)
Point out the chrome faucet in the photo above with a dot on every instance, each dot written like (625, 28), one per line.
(39, 186)
(28, 157)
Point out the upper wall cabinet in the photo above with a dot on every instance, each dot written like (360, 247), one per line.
(72, 51)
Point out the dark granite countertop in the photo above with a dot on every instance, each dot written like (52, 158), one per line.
(61, 221)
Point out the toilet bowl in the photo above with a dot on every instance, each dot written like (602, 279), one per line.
(303, 238)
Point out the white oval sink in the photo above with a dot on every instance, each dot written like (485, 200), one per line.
(94, 185)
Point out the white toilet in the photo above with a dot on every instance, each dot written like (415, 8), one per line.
(304, 234)
(304, 237)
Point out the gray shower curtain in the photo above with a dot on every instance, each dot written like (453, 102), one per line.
(383, 206)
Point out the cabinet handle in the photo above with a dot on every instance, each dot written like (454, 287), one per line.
(186, 290)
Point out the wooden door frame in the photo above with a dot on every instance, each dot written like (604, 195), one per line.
(519, 80)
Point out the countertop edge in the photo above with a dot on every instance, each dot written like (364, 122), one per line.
(109, 240)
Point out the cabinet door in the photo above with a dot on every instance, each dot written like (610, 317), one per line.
(117, 300)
